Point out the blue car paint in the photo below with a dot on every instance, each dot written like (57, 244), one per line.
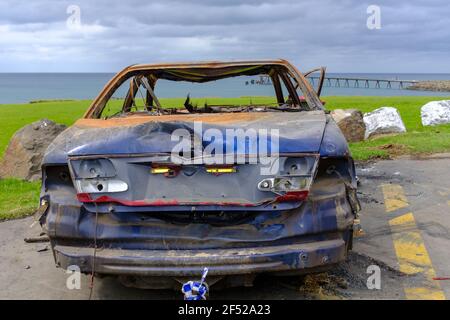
(69, 222)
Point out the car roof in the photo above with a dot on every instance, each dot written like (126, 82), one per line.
(208, 64)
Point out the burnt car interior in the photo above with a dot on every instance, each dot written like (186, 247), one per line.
(141, 97)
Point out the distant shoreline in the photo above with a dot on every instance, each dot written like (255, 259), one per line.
(180, 100)
(431, 85)
(24, 87)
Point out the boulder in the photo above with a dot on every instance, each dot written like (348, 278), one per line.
(351, 123)
(383, 120)
(26, 149)
(435, 112)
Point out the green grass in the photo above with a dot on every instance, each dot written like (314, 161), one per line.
(19, 198)
(15, 116)
(417, 140)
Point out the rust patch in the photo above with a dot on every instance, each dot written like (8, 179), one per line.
(136, 120)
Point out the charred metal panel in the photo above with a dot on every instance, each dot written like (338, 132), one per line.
(298, 132)
(315, 219)
(334, 143)
(178, 263)
(321, 224)
(190, 184)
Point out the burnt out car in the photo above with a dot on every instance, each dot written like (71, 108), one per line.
(139, 188)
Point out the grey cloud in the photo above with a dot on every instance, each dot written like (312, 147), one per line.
(414, 34)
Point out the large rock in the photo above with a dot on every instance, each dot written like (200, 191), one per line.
(23, 156)
(351, 123)
(383, 120)
(435, 112)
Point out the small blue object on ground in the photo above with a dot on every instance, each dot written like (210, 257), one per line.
(196, 290)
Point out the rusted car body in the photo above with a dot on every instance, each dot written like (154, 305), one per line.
(113, 202)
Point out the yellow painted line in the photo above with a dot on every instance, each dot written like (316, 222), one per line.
(412, 255)
(406, 220)
(411, 252)
(424, 294)
(394, 197)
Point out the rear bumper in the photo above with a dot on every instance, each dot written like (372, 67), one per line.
(221, 262)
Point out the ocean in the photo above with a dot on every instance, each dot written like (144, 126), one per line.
(25, 87)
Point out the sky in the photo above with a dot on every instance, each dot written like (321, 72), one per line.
(106, 36)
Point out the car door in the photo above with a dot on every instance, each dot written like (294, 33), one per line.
(317, 81)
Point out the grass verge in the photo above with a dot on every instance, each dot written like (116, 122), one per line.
(18, 198)
(417, 140)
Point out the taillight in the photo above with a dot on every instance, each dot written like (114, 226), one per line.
(96, 176)
(287, 188)
(284, 184)
(293, 196)
(100, 185)
(293, 180)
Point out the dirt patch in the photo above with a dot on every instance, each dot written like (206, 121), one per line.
(378, 157)
(323, 286)
(393, 149)
(367, 198)
(349, 279)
